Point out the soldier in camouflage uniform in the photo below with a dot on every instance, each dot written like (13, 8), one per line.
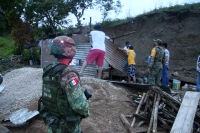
(63, 103)
(157, 61)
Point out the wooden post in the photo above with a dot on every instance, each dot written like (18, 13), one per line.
(185, 117)
(152, 114)
(126, 123)
(156, 115)
(138, 109)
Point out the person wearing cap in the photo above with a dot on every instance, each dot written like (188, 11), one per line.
(165, 80)
(97, 52)
(156, 63)
(198, 74)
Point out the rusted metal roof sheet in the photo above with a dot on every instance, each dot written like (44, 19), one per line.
(114, 56)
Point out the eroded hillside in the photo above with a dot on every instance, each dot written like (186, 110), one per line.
(181, 30)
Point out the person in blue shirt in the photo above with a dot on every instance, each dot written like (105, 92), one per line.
(165, 79)
(198, 74)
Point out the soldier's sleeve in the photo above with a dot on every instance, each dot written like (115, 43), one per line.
(153, 54)
(75, 95)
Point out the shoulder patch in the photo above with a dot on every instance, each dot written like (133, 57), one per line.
(73, 82)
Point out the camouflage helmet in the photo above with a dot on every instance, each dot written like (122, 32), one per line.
(63, 47)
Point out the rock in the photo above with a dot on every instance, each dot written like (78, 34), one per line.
(4, 129)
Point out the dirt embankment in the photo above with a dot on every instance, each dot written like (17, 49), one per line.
(23, 88)
(179, 29)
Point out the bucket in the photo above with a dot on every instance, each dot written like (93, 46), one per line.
(176, 84)
(30, 62)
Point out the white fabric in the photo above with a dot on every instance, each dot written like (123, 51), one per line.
(125, 48)
(168, 55)
(198, 61)
(98, 40)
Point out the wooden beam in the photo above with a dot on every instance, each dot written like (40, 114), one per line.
(126, 123)
(185, 117)
(138, 109)
(126, 34)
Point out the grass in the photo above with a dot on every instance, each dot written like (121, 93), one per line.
(176, 8)
(6, 47)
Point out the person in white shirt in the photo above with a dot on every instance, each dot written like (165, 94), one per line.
(198, 74)
(126, 63)
(165, 79)
(127, 45)
(97, 52)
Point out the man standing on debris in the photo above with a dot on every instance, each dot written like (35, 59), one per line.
(131, 63)
(198, 74)
(64, 103)
(97, 52)
(165, 80)
(156, 63)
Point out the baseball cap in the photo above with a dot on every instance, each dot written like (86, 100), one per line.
(158, 41)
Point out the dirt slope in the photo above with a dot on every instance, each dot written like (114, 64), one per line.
(181, 30)
(23, 89)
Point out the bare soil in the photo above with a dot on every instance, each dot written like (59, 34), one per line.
(179, 29)
(23, 89)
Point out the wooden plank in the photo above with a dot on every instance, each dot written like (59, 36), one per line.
(138, 109)
(185, 117)
(126, 123)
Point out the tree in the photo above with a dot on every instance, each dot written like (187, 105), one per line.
(4, 26)
(79, 6)
(13, 10)
(110, 5)
(46, 13)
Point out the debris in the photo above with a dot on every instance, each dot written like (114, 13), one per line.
(20, 117)
(138, 109)
(1, 88)
(159, 109)
(126, 123)
(185, 117)
(175, 74)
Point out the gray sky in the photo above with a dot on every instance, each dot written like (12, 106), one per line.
(131, 8)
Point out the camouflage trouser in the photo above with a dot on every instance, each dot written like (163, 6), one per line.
(65, 127)
(154, 77)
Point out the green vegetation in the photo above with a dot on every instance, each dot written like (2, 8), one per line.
(51, 16)
(31, 54)
(7, 47)
(177, 8)
(115, 22)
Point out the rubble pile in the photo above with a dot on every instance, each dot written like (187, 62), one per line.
(157, 108)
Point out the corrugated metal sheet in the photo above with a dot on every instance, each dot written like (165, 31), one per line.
(114, 56)
(82, 51)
